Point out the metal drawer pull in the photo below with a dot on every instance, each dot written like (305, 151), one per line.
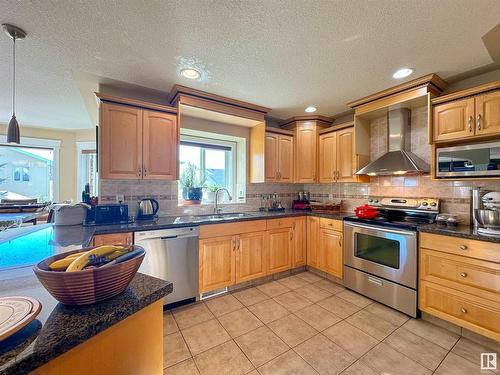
(471, 119)
(463, 247)
(463, 310)
(479, 122)
(374, 281)
(463, 274)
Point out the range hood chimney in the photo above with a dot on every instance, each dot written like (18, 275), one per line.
(398, 160)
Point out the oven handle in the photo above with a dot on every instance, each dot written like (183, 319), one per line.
(395, 231)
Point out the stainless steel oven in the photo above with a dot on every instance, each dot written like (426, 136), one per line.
(381, 263)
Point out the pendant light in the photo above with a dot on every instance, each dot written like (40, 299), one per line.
(15, 33)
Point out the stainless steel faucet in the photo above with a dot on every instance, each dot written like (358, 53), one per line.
(217, 209)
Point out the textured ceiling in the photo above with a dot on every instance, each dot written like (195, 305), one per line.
(280, 54)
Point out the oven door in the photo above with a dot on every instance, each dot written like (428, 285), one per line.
(385, 252)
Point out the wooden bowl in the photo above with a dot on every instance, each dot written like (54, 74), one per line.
(87, 286)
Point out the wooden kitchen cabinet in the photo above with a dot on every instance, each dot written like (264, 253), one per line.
(330, 252)
(299, 242)
(328, 157)
(313, 258)
(112, 239)
(251, 256)
(120, 142)
(280, 245)
(475, 115)
(338, 161)
(217, 263)
(488, 113)
(160, 145)
(137, 143)
(454, 120)
(279, 157)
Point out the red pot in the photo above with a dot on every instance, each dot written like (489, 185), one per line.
(366, 212)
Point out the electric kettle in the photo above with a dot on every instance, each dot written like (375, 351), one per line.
(148, 207)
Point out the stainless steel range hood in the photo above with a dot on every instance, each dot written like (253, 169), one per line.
(398, 160)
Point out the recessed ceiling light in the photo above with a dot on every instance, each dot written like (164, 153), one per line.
(402, 73)
(310, 109)
(190, 73)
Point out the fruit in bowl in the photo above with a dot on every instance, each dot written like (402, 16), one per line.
(89, 275)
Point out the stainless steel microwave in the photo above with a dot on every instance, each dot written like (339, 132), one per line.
(473, 160)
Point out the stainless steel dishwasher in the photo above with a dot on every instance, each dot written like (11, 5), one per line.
(172, 254)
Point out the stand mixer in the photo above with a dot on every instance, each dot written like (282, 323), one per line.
(486, 212)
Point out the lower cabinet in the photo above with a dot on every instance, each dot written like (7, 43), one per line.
(280, 249)
(324, 245)
(251, 251)
(330, 252)
(313, 258)
(299, 234)
(217, 263)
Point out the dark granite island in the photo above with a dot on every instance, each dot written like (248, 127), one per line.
(123, 335)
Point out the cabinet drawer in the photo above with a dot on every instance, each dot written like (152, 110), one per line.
(469, 275)
(286, 222)
(465, 310)
(112, 239)
(461, 246)
(216, 230)
(330, 224)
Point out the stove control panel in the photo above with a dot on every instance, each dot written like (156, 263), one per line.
(424, 204)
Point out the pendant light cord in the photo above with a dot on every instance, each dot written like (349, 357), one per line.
(14, 77)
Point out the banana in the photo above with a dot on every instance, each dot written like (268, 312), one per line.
(79, 263)
(62, 264)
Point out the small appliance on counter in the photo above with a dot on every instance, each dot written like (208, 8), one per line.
(329, 207)
(69, 214)
(148, 208)
(486, 212)
(102, 214)
(271, 202)
(303, 201)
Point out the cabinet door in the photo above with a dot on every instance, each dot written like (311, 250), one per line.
(327, 157)
(299, 242)
(453, 120)
(160, 145)
(306, 149)
(330, 244)
(285, 158)
(313, 242)
(346, 166)
(251, 256)
(280, 249)
(120, 142)
(217, 263)
(112, 239)
(271, 162)
(488, 113)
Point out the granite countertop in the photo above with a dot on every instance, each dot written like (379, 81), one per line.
(58, 328)
(462, 231)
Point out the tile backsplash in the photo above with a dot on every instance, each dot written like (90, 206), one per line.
(454, 195)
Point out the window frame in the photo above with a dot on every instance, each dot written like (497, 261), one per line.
(230, 165)
(53, 144)
(80, 147)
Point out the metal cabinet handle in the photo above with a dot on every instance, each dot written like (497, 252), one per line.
(463, 274)
(464, 310)
(463, 247)
(471, 120)
(145, 171)
(139, 171)
(340, 241)
(478, 122)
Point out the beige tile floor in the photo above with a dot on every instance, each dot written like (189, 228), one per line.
(304, 324)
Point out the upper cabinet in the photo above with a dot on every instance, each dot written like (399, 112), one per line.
(338, 160)
(467, 115)
(278, 157)
(137, 142)
(306, 130)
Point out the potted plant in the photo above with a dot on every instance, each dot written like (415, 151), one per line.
(210, 190)
(192, 184)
